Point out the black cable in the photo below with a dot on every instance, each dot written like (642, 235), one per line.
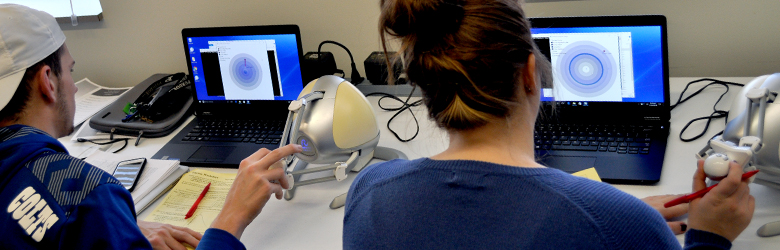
(355, 76)
(405, 105)
(716, 113)
(108, 141)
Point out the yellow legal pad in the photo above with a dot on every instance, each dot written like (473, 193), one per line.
(183, 195)
(589, 173)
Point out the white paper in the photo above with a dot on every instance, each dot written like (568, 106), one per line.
(93, 98)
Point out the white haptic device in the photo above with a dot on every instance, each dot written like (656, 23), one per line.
(741, 144)
(716, 166)
(337, 128)
(744, 140)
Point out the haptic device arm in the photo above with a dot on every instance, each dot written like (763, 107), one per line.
(750, 151)
(719, 152)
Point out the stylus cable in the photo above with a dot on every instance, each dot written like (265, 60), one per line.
(716, 113)
(405, 105)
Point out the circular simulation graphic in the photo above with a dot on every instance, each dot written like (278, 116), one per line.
(587, 68)
(245, 71)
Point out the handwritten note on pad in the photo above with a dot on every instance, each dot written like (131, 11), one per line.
(179, 200)
(589, 173)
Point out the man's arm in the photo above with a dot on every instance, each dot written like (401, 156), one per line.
(104, 220)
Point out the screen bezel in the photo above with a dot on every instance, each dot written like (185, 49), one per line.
(261, 108)
(629, 112)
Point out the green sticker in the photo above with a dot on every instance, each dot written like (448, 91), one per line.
(127, 108)
(130, 108)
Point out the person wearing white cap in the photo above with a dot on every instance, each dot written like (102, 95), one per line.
(55, 201)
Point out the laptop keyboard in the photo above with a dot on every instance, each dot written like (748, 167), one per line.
(620, 139)
(246, 131)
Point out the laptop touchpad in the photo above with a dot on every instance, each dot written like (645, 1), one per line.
(569, 164)
(211, 154)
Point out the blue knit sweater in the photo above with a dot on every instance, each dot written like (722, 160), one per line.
(431, 204)
(52, 200)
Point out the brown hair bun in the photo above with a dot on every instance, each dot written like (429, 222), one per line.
(428, 18)
(467, 56)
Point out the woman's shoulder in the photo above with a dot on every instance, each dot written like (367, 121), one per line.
(388, 169)
(615, 212)
(593, 195)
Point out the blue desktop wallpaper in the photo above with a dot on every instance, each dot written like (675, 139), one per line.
(286, 52)
(647, 53)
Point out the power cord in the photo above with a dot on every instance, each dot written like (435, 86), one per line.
(355, 76)
(405, 105)
(74, 20)
(107, 141)
(716, 113)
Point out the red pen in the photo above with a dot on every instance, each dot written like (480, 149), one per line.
(700, 193)
(195, 206)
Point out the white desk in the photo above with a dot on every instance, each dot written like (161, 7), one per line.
(306, 222)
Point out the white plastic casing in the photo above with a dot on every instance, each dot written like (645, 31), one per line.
(716, 166)
(750, 141)
(281, 164)
(295, 105)
(713, 166)
(290, 181)
(341, 171)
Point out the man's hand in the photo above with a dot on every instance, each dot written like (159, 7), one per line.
(254, 184)
(165, 236)
(657, 202)
(727, 209)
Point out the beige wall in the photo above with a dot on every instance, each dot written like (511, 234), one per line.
(141, 37)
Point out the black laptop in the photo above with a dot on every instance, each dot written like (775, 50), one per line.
(243, 80)
(608, 106)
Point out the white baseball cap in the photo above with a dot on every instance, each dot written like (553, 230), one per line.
(27, 36)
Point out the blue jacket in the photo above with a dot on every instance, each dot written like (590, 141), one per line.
(51, 200)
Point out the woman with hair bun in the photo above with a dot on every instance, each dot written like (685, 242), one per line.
(481, 76)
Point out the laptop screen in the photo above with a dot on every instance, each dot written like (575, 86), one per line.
(248, 70)
(605, 61)
(241, 69)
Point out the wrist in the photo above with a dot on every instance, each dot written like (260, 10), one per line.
(713, 230)
(695, 238)
(230, 223)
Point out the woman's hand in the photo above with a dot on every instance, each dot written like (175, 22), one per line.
(658, 201)
(727, 209)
